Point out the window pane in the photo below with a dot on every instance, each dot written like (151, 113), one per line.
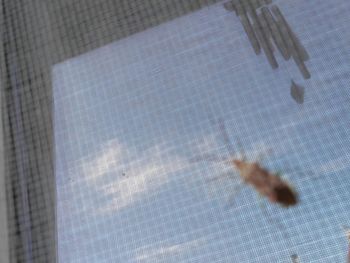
(140, 143)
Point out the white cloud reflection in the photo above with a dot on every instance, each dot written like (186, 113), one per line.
(104, 161)
(123, 176)
(335, 165)
(167, 253)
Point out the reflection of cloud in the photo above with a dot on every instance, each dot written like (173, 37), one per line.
(335, 165)
(143, 179)
(103, 162)
(149, 254)
(130, 180)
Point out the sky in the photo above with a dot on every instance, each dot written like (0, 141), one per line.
(131, 116)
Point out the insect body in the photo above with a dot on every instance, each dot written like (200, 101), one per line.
(266, 183)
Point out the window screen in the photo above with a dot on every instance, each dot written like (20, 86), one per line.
(139, 121)
(183, 132)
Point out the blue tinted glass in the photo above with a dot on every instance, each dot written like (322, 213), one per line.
(144, 169)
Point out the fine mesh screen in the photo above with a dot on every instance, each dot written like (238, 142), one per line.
(121, 147)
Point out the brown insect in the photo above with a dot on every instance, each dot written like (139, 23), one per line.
(266, 183)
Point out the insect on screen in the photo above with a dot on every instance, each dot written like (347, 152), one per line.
(217, 132)
(131, 117)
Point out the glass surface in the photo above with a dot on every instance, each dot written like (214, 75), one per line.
(137, 124)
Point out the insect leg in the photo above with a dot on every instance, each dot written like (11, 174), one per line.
(222, 176)
(223, 133)
(262, 155)
(227, 141)
(241, 150)
(218, 177)
(237, 188)
(280, 226)
(207, 157)
(310, 173)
